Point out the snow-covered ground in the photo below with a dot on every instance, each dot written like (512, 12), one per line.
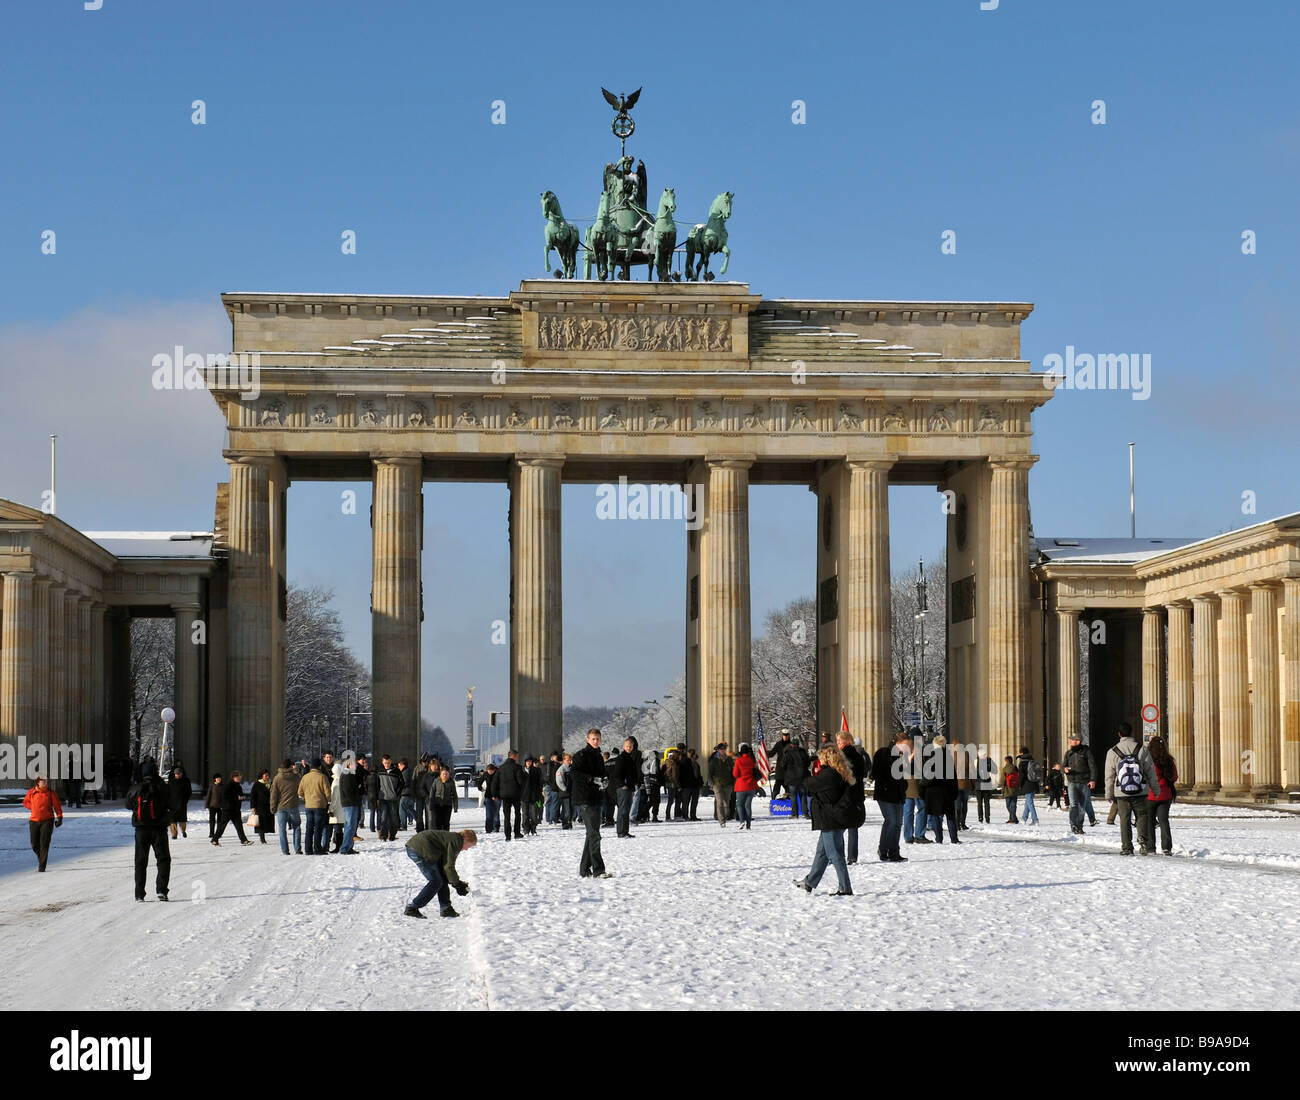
(694, 917)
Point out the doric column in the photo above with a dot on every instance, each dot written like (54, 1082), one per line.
(119, 682)
(72, 646)
(1007, 601)
(395, 606)
(248, 618)
(97, 734)
(1205, 692)
(1152, 666)
(56, 725)
(1234, 694)
(41, 659)
(1067, 658)
(16, 659)
(865, 604)
(189, 720)
(724, 597)
(1265, 708)
(536, 617)
(85, 671)
(1179, 718)
(1291, 683)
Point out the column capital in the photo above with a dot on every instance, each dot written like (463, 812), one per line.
(40, 578)
(407, 459)
(249, 458)
(555, 462)
(1226, 594)
(1068, 612)
(1205, 598)
(730, 462)
(98, 607)
(1266, 586)
(1154, 610)
(871, 463)
(1013, 462)
(83, 600)
(177, 608)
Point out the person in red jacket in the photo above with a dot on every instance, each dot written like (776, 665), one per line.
(745, 773)
(46, 815)
(1160, 800)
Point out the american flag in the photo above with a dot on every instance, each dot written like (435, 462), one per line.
(761, 745)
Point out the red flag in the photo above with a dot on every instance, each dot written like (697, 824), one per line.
(844, 721)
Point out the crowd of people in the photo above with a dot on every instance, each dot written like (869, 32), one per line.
(920, 787)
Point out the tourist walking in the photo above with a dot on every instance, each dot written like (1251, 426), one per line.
(434, 852)
(350, 799)
(1130, 777)
(1079, 779)
(232, 796)
(793, 772)
(314, 789)
(588, 780)
(745, 774)
(1161, 797)
(1030, 777)
(857, 762)
(259, 801)
(44, 816)
(830, 793)
(627, 779)
(1010, 788)
(914, 805)
(147, 801)
(530, 795)
(178, 800)
(489, 785)
(443, 800)
(284, 804)
(692, 801)
(888, 770)
(212, 800)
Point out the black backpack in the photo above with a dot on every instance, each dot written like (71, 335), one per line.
(146, 806)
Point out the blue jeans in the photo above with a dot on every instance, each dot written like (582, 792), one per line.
(624, 799)
(891, 829)
(435, 884)
(1077, 796)
(935, 822)
(351, 820)
(638, 797)
(1011, 807)
(1087, 797)
(406, 809)
(283, 819)
(317, 824)
(913, 818)
(491, 815)
(388, 817)
(745, 807)
(552, 805)
(1029, 808)
(830, 849)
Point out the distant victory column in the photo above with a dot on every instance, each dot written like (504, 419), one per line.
(469, 720)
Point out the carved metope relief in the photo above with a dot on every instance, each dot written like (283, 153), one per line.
(596, 333)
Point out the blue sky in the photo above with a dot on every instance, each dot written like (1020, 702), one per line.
(921, 117)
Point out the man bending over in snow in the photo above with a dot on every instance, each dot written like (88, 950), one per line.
(434, 852)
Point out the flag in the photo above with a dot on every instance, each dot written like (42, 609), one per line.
(844, 721)
(760, 745)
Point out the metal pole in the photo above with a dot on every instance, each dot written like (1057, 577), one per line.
(1132, 501)
(53, 492)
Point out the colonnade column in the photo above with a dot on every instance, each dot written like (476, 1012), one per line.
(1234, 695)
(537, 608)
(16, 658)
(248, 618)
(85, 672)
(1265, 728)
(1008, 593)
(119, 682)
(72, 644)
(726, 710)
(865, 605)
(396, 611)
(1067, 658)
(57, 724)
(189, 720)
(98, 732)
(1291, 683)
(1152, 665)
(1180, 713)
(1205, 693)
(41, 660)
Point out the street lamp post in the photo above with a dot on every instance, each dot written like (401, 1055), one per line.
(922, 611)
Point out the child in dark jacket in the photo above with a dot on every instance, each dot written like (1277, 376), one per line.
(1055, 786)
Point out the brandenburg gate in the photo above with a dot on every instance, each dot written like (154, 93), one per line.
(694, 383)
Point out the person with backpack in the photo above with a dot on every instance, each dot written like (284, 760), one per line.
(232, 794)
(857, 762)
(1161, 797)
(212, 800)
(147, 801)
(1079, 782)
(46, 816)
(1010, 788)
(1031, 775)
(830, 793)
(178, 799)
(1130, 776)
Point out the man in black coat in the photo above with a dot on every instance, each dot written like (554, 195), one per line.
(889, 768)
(531, 795)
(778, 751)
(588, 781)
(147, 802)
(939, 788)
(510, 785)
(794, 770)
(232, 794)
(626, 780)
